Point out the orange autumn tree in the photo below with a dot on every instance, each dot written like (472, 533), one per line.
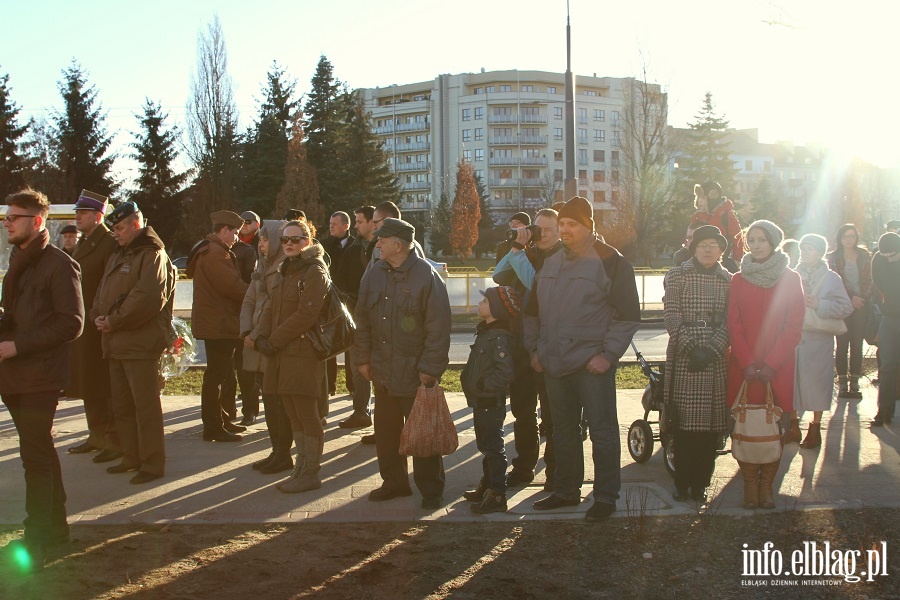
(465, 212)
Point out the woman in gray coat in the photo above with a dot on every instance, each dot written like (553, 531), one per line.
(823, 293)
(262, 283)
(696, 303)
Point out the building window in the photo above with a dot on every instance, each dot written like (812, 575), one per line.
(502, 131)
(479, 134)
(599, 176)
(614, 157)
(582, 115)
(557, 175)
(479, 174)
(502, 111)
(479, 113)
(502, 153)
(531, 152)
(419, 97)
(558, 154)
(467, 114)
(420, 118)
(467, 135)
(530, 131)
(615, 117)
(582, 174)
(420, 138)
(557, 133)
(582, 135)
(599, 196)
(527, 88)
(599, 135)
(614, 177)
(531, 174)
(467, 155)
(615, 197)
(489, 89)
(582, 193)
(505, 88)
(479, 91)
(557, 112)
(551, 90)
(531, 111)
(599, 155)
(582, 156)
(479, 154)
(616, 138)
(504, 173)
(599, 115)
(590, 93)
(503, 195)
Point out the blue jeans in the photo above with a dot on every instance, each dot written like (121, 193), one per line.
(889, 351)
(489, 439)
(596, 396)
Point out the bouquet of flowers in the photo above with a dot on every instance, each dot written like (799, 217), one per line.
(181, 354)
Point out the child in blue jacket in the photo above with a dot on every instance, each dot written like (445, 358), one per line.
(485, 381)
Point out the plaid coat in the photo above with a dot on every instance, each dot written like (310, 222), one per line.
(700, 399)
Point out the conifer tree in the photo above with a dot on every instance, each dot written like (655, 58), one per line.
(367, 174)
(301, 185)
(466, 211)
(158, 182)
(439, 232)
(14, 162)
(82, 151)
(326, 111)
(707, 155)
(489, 234)
(44, 174)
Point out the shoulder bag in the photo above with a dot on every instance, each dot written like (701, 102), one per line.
(756, 437)
(813, 322)
(333, 332)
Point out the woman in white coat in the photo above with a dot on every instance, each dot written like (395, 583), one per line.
(826, 297)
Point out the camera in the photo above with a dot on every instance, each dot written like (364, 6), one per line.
(512, 234)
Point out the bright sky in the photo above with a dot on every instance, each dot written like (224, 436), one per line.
(803, 70)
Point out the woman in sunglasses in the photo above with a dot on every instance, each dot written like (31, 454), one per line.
(293, 371)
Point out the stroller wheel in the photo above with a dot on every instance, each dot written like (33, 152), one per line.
(668, 444)
(640, 441)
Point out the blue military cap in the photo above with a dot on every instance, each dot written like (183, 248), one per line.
(126, 209)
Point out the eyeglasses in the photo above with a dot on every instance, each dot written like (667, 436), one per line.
(709, 246)
(248, 221)
(294, 239)
(12, 218)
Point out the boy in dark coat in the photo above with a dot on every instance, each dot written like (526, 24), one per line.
(485, 381)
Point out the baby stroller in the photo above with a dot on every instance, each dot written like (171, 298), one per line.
(640, 434)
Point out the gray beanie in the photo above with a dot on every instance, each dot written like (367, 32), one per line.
(772, 231)
(816, 241)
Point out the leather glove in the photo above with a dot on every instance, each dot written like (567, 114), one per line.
(766, 373)
(264, 346)
(750, 373)
(699, 358)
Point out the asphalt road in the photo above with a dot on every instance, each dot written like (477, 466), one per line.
(651, 343)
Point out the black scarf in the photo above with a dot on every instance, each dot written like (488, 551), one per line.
(19, 261)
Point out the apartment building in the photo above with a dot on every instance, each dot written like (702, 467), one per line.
(510, 125)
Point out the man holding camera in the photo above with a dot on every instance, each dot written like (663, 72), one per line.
(530, 246)
(583, 311)
(517, 221)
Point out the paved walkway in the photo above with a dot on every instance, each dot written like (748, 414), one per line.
(213, 483)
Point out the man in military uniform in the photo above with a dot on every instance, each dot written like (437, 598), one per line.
(90, 371)
(133, 310)
(215, 318)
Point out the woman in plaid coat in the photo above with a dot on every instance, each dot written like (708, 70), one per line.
(696, 302)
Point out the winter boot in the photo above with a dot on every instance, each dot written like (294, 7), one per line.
(813, 436)
(477, 495)
(492, 502)
(309, 477)
(281, 461)
(843, 386)
(854, 388)
(298, 463)
(793, 435)
(766, 479)
(750, 471)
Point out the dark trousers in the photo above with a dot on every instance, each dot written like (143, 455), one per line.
(277, 422)
(331, 368)
(138, 411)
(889, 369)
(547, 423)
(523, 401)
(851, 343)
(695, 459)
(362, 388)
(391, 414)
(219, 370)
(249, 389)
(489, 439)
(99, 415)
(45, 497)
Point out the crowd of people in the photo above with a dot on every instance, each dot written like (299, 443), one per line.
(563, 312)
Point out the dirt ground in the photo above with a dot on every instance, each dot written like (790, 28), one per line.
(631, 557)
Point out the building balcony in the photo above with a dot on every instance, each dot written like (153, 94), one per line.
(533, 140)
(582, 140)
(532, 182)
(492, 119)
(414, 166)
(383, 130)
(507, 182)
(412, 127)
(503, 161)
(503, 140)
(533, 119)
(413, 146)
(415, 185)
(533, 161)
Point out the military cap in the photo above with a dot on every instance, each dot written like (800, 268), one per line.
(91, 201)
(126, 209)
(226, 217)
(68, 229)
(391, 227)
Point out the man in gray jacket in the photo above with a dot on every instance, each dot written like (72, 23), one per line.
(402, 342)
(580, 319)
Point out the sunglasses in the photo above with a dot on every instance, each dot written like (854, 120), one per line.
(294, 239)
(248, 221)
(12, 218)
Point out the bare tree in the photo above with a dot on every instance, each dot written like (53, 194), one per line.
(212, 125)
(550, 186)
(643, 184)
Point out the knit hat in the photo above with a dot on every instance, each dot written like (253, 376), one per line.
(707, 232)
(816, 241)
(503, 301)
(578, 209)
(521, 217)
(889, 243)
(772, 231)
